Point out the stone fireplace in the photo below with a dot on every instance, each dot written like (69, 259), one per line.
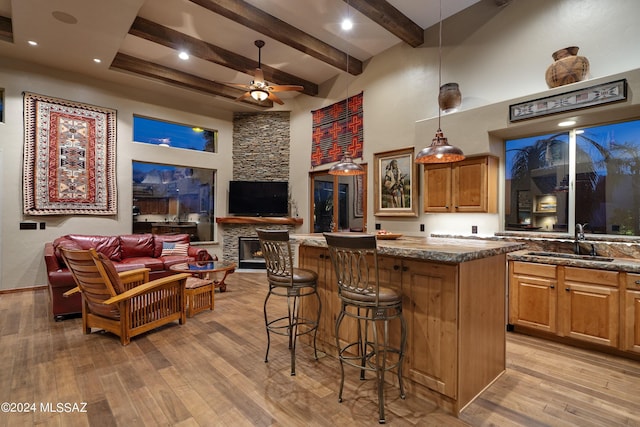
(261, 147)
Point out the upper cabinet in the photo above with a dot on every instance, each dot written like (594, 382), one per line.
(467, 186)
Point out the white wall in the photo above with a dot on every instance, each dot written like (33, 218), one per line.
(22, 262)
(496, 55)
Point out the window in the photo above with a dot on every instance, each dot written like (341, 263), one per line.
(586, 175)
(166, 134)
(170, 199)
(1, 105)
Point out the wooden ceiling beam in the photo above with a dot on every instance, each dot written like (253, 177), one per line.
(173, 39)
(257, 20)
(387, 16)
(127, 63)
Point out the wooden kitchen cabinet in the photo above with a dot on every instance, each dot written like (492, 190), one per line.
(578, 303)
(455, 316)
(589, 305)
(632, 313)
(533, 296)
(467, 186)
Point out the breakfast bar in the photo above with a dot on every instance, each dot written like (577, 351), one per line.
(454, 302)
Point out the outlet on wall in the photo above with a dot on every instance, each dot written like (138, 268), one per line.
(378, 226)
(421, 227)
(474, 229)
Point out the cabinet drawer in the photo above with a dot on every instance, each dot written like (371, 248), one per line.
(588, 275)
(633, 281)
(533, 269)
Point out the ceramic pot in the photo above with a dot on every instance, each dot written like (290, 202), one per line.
(568, 67)
(449, 97)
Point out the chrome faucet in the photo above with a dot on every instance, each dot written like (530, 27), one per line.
(579, 237)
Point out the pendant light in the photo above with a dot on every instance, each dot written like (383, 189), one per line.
(440, 151)
(346, 166)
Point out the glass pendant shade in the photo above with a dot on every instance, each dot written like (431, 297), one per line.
(439, 151)
(346, 167)
(259, 94)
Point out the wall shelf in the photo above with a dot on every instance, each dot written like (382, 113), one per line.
(258, 220)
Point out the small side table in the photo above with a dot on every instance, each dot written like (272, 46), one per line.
(200, 295)
(201, 287)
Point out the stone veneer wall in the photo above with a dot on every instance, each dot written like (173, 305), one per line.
(261, 147)
(261, 144)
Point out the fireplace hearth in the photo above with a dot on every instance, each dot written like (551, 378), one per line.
(250, 254)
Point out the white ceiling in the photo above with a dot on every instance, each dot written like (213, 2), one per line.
(102, 31)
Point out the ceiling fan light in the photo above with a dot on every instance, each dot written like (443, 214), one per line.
(346, 167)
(440, 151)
(259, 94)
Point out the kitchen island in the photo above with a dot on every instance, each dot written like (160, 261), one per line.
(454, 302)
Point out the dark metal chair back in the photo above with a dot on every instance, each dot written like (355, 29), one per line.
(276, 250)
(355, 261)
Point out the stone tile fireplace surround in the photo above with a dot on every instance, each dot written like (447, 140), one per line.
(261, 150)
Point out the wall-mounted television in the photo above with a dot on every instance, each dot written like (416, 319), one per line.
(259, 198)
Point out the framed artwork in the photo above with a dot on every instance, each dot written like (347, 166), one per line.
(395, 183)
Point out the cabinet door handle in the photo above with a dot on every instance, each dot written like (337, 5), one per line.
(567, 289)
(405, 268)
(637, 282)
(396, 267)
(552, 286)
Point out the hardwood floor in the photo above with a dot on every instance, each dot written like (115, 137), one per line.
(211, 372)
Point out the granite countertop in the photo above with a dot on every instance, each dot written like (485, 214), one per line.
(616, 264)
(452, 251)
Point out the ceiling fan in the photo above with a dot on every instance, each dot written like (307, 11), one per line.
(259, 89)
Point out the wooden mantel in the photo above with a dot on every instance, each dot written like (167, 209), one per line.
(258, 220)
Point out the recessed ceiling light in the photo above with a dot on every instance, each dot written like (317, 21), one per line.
(33, 43)
(347, 24)
(183, 55)
(97, 60)
(567, 123)
(64, 17)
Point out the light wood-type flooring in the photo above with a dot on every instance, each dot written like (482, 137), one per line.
(211, 372)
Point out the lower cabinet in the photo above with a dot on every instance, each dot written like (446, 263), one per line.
(632, 313)
(589, 303)
(455, 316)
(533, 296)
(579, 303)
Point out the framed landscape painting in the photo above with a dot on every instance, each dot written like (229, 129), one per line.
(395, 183)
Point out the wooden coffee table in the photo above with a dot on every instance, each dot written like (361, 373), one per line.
(206, 270)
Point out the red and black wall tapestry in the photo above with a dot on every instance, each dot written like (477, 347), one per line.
(337, 131)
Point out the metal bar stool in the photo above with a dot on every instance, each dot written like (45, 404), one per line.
(285, 280)
(355, 260)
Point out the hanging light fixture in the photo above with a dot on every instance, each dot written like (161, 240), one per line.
(346, 166)
(259, 94)
(440, 151)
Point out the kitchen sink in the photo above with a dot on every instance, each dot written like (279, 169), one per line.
(571, 256)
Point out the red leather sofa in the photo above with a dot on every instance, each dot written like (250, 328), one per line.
(127, 252)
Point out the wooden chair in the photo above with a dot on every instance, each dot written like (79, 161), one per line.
(125, 304)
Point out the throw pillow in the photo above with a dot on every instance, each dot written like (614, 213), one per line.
(172, 248)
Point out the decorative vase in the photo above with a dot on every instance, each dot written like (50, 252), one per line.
(568, 67)
(449, 97)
